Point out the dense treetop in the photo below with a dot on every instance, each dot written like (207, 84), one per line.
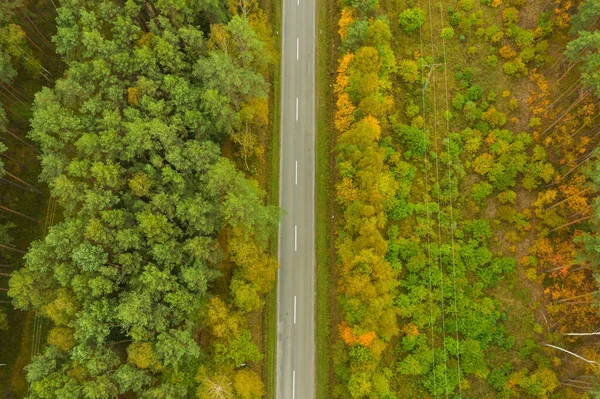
(130, 148)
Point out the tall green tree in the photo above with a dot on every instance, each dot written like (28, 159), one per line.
(130, 149)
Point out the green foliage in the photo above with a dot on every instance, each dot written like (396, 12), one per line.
(364, 7)
(583, 48)
(411, 20)
(416, 140)
(409, 71)
(130, 139)
(480, 191)
(586, 16)
(447, 33)
(237, 351)
(356, 35)
(492, 60)
(515, 68)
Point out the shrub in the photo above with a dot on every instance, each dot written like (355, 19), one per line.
(515, 68)
(516, 3)
(364, 6)
(465, 5)
(411, 19)
(510, 15)
(492, 61)
(494, 117)
(458, 101)
(507, 197)
(480, 191)
(447, 33)
(471, 112)
(495, 272)
(474, 93)
(507, 52)
(535, 122)
(408, 71)
(454, 19)
(415, 139)
(524, 38)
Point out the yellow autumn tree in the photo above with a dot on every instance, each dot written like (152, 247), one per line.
(348, 16)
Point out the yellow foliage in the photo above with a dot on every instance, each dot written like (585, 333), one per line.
(345, 63)
(346, 191)
(141, 354)
(140, 184)
(62, 338)
(373, 124)
(145, 39)
(344, 113)
(368, 84)
(483, 163)
(253, 263)
(255, 111)
(248, 384)
(133, 96)
(367, 60)
(347, 17)
(222, 321)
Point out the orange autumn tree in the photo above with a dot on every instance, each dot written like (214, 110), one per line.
(350, 338)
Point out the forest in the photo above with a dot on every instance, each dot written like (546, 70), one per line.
(140, 243)
(139, 217)
(464, 139)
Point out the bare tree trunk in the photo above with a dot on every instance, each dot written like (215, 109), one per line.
(6, 274)
(19, 213)
(558, 147)
(39, 13)
(571, 223)
(22, 141)
(576, 297)
(593, 363)
(584, 387)
(12, 183)
(577, 166)
(22, 181)
(12, 249)
(583, 334)
(15, 97)
(558, 268)
(50, 8)
(579, 303)
(568, 198)
(576, 85)
(14, 160)
(566, 112)
(15, 114)
(44, 40)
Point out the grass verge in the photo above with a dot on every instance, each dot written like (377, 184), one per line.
(272, 160)
(324, 188)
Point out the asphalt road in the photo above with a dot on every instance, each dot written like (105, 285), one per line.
(296, 286)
